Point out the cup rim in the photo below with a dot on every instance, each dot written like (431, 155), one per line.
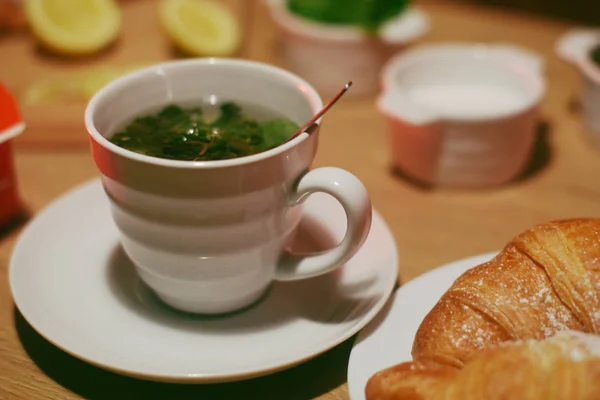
(122, 82)
(465, 49)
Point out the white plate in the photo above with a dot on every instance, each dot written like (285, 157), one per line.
(388, 339)
(74, 285)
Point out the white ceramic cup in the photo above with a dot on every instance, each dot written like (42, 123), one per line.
(575, 47)
(462, 114)
(209, 237)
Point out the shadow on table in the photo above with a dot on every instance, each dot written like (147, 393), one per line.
(541, 154)
(58, 58)
(306, 381)
(15, 223)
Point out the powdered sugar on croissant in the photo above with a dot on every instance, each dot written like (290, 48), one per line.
(563, 367)
(545, 281)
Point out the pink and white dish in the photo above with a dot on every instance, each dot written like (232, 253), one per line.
(462, 114)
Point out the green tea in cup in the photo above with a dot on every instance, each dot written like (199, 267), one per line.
(209, 132)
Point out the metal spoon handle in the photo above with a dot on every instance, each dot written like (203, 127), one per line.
(318, 115)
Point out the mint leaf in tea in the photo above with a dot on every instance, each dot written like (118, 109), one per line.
(179, 133)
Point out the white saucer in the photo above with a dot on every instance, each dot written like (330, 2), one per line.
(388, 339)
(75, 286)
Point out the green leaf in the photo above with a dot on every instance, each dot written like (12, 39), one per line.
(171, 112)
(381, 11)
(343, 12)
(277, 131)
(368, 14)
(230, 113)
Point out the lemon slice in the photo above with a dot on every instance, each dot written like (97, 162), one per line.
(94, 80)
(74, 87)
(200, 27)
(74, 26)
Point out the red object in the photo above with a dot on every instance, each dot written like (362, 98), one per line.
(11, 125)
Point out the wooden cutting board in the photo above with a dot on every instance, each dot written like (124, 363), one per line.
(59, 123)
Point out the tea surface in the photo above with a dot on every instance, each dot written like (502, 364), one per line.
(181, 133)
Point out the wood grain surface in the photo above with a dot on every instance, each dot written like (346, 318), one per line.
(431, 226)
(142, 42)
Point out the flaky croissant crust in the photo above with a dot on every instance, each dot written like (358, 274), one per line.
(545, 281)
(565, 366)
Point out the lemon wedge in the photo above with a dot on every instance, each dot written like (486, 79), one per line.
(74, 26)
(200, 27)
(74, 87)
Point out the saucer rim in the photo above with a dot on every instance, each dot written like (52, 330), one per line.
(195, 378)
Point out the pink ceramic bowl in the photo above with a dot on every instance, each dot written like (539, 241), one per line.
(328, 56)
(461, 114)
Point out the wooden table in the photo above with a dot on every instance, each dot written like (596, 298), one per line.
(432, 227)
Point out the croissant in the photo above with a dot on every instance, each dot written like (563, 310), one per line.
(563, 367)
(545, 281)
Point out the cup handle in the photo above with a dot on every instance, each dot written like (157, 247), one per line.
(353, 196)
